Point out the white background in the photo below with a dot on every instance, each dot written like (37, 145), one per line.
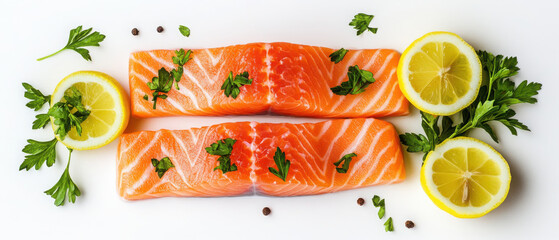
(32, 29)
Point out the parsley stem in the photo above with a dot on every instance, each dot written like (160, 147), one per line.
(69, 157)
(39, 59)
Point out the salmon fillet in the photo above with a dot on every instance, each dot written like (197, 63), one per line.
(289, 79)
(312, 150)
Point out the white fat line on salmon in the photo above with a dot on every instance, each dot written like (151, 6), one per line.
(325, 128)
(215, 60)
(385, 169)
(145, 175)
(376, 74)
(170, 65)
(364, 159)
(374, 167)
(189, 94)
(269, 84)
(182, 145)
(317, 63)
(398, 106)
(200, 150)
(146, 106)
(144, 65)
(252, 175)
(309, 165)
(381, 90)
(344, 127)
(372, 60)
(199, 64)
(136, 158)
(369, 153)
(125, 150)
(178, 164)
(332, 66)
(397, 175)
(389, 98)
(341, 99)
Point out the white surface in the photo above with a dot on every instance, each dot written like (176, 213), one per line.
(33, 29)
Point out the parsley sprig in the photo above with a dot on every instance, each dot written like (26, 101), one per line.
(39, 153)
(338, 55)
(358, 80)
(232, 84)
(346, 159)
(78, 39)
(64, 186)
(180, 59)
(184, 30)
(493, 104)
(161, 166)
(361, 21)
(379, 203)
(281, 163)
(163, 83)
(37, 98)
(160, 85)
(223, 148)
(67, 114)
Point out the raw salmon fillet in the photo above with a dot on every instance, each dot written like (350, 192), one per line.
(311, 148)
(289, 79)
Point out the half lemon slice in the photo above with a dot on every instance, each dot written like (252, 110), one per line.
(108, 103)
(440, 73)
(465, 177)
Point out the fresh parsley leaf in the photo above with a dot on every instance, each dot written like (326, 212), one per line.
(225, 164)
(146, 97)
(338, 55)
(41, 120)
(358, 80)
(361, 21)
(493, 104)
(64, 115)
(346, 159)
(415, 142)
(37, 98)
(185, 31)
(388, 225)
(377, 202)
(160, 85)
(64, 186)
(223, 148)
(232, 84)
(161, 166)
(180, 59)
(39, 153)
(281, 163)
(79, 39)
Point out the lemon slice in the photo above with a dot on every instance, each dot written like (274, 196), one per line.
(108, 103)
(440, 73)
(465, 177)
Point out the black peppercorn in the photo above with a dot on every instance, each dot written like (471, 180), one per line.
(360, 201)
(266, 211)
(135, 31)
(160, 29)
(410, 224)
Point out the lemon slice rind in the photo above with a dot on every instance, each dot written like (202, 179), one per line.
(444, 203)
(414, 97)
(113, 88)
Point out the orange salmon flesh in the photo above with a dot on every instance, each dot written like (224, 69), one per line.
(312, 149)
(288, 79)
